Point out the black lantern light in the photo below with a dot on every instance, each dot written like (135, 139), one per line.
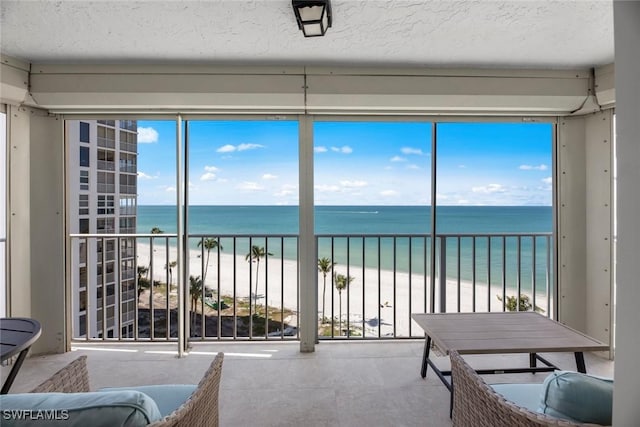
(313, 16)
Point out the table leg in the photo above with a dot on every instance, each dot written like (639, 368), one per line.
(532, 360)
(14, 371)
(580, 362)
(425, 357)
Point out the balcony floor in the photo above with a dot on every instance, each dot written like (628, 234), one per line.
(273, 384)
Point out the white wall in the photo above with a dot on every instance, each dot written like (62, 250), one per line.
(36, 209)
(3, 211)
(626, 410)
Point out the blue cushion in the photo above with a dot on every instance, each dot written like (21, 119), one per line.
(126, 408)
(577, 397)
(524, 395)
(167, 397)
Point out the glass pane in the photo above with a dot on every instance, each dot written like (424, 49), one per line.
(122, 163)
(373, 196)
(243, 225)
(494, 196)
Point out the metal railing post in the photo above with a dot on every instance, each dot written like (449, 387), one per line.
(443, 274)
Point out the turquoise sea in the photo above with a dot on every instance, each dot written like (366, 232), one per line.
(350, 219)
(371, 229)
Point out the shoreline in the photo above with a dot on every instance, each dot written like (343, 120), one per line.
(370, 301)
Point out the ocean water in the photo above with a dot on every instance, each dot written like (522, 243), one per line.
(350, 219)
(371, 242)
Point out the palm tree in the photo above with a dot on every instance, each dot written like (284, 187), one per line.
(171, 266)
(156, 230)
(209, 243)
(195, 290)
(255, 255)
(325, 265)
(143, 282)
(341, 283)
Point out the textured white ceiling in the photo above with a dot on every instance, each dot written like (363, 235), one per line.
(501, 34)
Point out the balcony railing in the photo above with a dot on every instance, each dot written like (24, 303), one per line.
(106, 188)
(106, 165)
(128, 211)
(128, 168)
(368, 288)
(106, 142)
(128, 189)
(131, 147)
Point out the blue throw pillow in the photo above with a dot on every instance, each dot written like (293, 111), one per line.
(577, 397)
(96, 409)
(168, 397)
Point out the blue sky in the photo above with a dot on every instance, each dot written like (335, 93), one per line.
(374, 163)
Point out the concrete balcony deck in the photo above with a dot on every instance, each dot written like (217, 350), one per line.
(347, 384)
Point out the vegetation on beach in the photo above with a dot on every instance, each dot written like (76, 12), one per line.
(143, 281)
(208, 244)
(195, 291)
(325, 266)
(341, 282)
(255, 255)
(511, 302)
(234, 313)
(170, 267)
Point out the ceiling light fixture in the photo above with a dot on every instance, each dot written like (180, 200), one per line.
(313, 16)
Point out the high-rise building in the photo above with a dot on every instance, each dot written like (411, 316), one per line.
(102, 177)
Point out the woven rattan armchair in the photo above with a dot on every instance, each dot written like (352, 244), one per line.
(476, 404)
(200, 409)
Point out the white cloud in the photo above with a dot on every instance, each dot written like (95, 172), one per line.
(226, 149)
(250, 186)
(142, 175)
(413, 167)
(409, 150)
(462, 166)
(327, 188)
(268, 176)
(388, 193)
(353, 184)
(533, 168)
(397, 159)
(320, 149)
(463, 202)
(211, 173)
(245, 147)
(489, 189)
(170, 189)
(209, 176)
(345, 149)
(147, 135)
(548, 180)
(283, 193)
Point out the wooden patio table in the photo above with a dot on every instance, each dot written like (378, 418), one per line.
(16, 336)
(496, 333)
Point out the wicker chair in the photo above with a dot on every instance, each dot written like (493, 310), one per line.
(200, 409)
(476, 404)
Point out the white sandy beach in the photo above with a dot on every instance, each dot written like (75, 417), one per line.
(379, 307)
